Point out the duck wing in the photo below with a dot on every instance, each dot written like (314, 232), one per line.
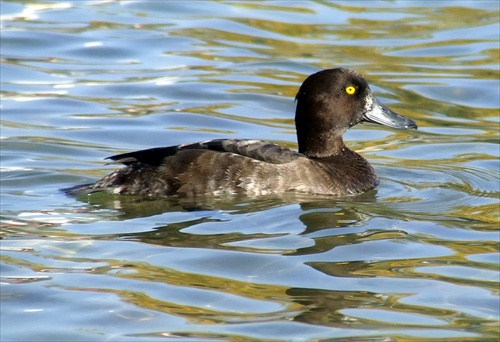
(254, 149)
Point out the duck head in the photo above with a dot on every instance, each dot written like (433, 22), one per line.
(330, 102)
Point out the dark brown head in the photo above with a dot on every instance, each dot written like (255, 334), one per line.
(331, 101)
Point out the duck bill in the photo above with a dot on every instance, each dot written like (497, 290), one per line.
(380, 114)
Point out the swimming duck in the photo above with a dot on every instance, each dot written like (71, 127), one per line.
(329, 102)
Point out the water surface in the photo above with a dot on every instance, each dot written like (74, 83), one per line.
(415, 259)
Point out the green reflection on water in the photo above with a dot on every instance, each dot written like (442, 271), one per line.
(395, 263)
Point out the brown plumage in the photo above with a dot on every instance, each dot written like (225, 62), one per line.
(328, 103)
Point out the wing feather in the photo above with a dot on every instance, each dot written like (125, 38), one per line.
(255, 149)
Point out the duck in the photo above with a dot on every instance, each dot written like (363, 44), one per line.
(328, 103)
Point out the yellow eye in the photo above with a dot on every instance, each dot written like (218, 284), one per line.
(350, 90)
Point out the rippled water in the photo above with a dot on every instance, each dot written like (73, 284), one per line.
(415, 259)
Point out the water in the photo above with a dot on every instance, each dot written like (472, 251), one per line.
(415, 259)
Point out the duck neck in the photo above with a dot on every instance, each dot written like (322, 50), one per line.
(321, 145)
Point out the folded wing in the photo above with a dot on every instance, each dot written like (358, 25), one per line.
(255, 149)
